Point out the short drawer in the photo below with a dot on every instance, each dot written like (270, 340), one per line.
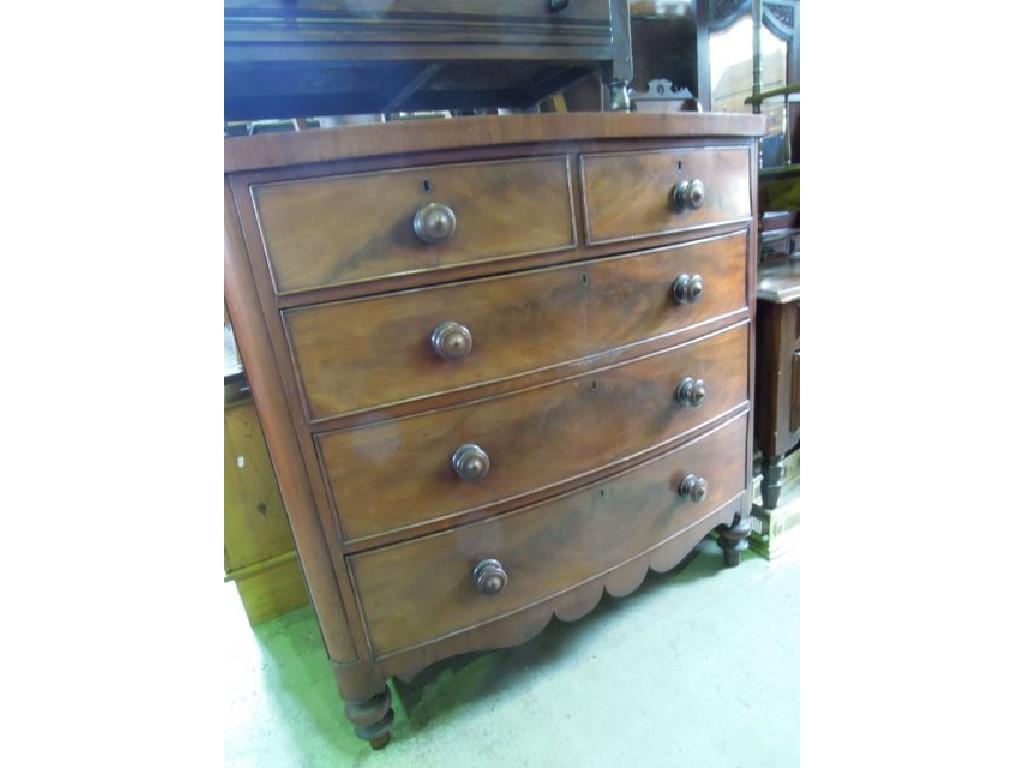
(360, 354)
(649, 205)
(347, 229)
(419, 590)
(402, 472)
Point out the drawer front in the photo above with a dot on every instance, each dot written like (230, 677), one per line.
(424, 589)
(359, 354)
(347, 229)
(646, 206)
(399, 473)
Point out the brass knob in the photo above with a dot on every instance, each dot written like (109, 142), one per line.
(470, 462)
(687, 289)
(433, 223)
(691, 392)
(490, 577)
(688, 194)
(694, 487)
(451, 341)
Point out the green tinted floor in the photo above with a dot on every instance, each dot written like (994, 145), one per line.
(698, 667)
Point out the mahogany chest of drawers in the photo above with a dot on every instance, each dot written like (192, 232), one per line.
(503, 365)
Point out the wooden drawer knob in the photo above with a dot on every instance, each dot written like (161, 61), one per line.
(490, 577)
(434, 223)
(693, 487)
(691, 392)
(557, 5)
(451, 341)
(470, 462)
(688, 194)
(686, 289)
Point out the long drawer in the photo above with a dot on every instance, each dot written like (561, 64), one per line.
(401, 472)
(356, 355)
(337, 230)
(426, 588)
(614, 211)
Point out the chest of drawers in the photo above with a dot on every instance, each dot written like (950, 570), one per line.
(503, 365)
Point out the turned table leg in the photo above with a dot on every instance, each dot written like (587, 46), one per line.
(733, 540)
(372, 718)
(771, 483)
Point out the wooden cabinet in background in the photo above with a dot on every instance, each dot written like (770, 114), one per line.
(777, 398)
(284, 58)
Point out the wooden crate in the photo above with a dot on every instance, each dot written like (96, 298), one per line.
(259, 554)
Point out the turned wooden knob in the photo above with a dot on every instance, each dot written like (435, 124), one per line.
(693, 487)
(688, 194)
(691, 392)
(451, 341)
(470, 462)
(433, 223)
(687, 289)
(490, 577)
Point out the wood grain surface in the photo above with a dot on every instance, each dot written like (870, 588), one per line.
(338, 230)
(398, 473)
(615, 211)
(272, 150)
(570, 605)
(421, 590)
(355, 355)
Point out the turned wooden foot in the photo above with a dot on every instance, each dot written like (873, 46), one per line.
(372, 718)
(771, 483)
(733, 540)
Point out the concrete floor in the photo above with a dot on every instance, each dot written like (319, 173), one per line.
(699, 667)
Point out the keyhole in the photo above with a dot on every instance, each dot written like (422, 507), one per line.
(583, 279)
(426, 185)
(680, 165)
(593, 385)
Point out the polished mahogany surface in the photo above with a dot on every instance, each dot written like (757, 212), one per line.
(503, 365)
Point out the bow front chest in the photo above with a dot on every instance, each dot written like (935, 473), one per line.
(503, 365)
